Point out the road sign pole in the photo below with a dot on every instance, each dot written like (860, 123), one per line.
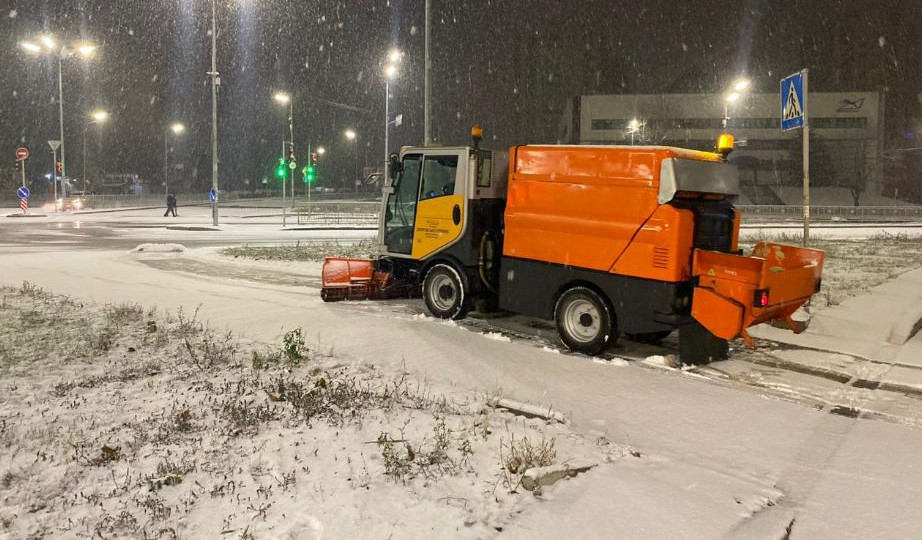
(806, 164)
(23, 173)
(54, 175)
(284, 184)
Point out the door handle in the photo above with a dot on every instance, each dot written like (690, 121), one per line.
(456, 214)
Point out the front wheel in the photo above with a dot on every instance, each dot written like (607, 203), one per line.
(584, 322)
(445, 294)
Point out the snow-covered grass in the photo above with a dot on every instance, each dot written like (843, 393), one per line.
(119, 421)
(854, 266)
(312, 252)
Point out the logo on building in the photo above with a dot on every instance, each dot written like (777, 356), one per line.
(849, 106)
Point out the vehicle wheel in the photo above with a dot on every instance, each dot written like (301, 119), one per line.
(697, 345)
(649, 337)
(584, 322)
(445, 294)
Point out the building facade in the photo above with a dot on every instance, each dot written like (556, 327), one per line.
(846, 140)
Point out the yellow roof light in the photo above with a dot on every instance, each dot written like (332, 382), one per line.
(477, 133)
(725, 144)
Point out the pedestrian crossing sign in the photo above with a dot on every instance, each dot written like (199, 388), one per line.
(793, 102)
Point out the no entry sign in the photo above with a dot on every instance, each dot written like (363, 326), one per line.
(22, 153)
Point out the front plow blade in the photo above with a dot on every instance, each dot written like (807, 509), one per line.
(347, 279)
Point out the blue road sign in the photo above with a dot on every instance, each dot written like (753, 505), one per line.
(212, 195)
(793, 102)
(23, 192)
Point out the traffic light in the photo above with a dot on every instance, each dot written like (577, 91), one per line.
(18, 165)
(280, 170)
(309, 174)
(60, 168)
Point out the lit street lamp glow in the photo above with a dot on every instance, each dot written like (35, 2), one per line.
(84, 49)
(282, 98)
(350, 134)
(739, 86)
(321, 150)
(98, 116)
(390, 71)
(178, 128)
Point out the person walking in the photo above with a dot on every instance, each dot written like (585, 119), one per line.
(170, 205)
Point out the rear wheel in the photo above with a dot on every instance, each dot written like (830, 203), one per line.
(584, 322)
(444, 293)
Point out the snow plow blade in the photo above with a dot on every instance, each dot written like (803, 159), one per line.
(735, 292)
(364, 279)
(347, 279)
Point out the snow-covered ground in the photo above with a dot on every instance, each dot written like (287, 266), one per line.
(719, 457)
(118, 421)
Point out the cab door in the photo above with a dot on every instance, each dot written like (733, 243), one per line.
(441, 209)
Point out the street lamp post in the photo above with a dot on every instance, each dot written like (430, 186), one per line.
(390, 71)
(633, 127)
(284, 98)
(739, 86)
(177, 129)
(98, 117)
(353, 136)
(84, 49)
(215, 81)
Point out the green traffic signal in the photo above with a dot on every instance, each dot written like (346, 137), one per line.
(280, 171)
(309, 174)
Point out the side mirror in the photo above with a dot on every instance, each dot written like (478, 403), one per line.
(395, 166)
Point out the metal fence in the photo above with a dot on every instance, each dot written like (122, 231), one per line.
(345, 213)
(831, 213)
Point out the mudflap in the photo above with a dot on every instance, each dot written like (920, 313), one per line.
(697, 345)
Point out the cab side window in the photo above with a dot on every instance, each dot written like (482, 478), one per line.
(438, 176)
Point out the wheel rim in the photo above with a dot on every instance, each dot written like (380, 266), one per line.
(582, 320)
(442, 292)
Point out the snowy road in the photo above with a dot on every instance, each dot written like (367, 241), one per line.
(719, 453)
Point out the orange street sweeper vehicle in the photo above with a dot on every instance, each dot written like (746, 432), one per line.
(604, 240)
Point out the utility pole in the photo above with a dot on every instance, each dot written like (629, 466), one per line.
(214, 112)
(61, 112)
(426, 89)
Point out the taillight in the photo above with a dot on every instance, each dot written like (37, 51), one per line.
(761, 298)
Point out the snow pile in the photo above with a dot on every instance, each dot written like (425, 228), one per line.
(126, 423)
(159, 248)
(497, 336)
(669, 361)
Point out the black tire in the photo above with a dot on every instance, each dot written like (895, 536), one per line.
(584, 321)
(649, 337)
(697, 345)
(445, 293)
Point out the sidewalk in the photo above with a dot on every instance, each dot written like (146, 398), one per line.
(879, 330)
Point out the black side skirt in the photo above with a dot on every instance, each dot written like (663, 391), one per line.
(641, 305)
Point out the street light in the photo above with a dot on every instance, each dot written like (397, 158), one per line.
(97, 117)
(283, 98)
(739, 86)
(177, 128)
(351, 135)
(84, 49)
(390, 71)
(633, 127)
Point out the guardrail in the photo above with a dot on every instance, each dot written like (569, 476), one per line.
(831, 213)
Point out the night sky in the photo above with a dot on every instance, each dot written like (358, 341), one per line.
(509, 65)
